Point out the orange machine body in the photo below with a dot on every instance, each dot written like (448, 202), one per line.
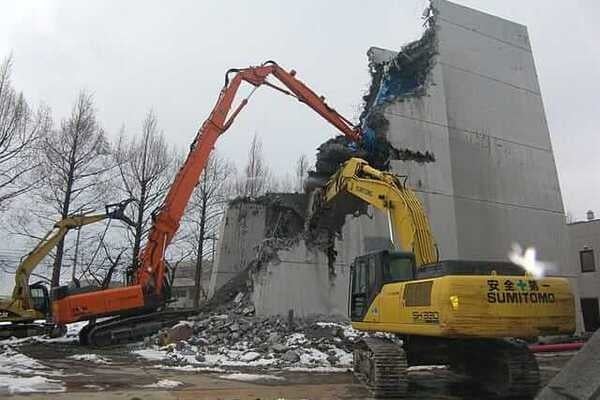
(83, 306)
(147, 290)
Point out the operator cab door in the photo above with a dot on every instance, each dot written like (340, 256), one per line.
(370, 272)
(39, 298)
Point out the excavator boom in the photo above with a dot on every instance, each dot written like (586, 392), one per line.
(408, 224)
(168, 217)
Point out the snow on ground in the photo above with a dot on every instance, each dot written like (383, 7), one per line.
(10, 384)
(151, 354)
(318, 370)
(13, 341)
(74, 328)
(419, 368)
(13, 362)
(94, 387)
(95, 358)
(251, 377)
(188, 368)
(164, 384)
(22, 374)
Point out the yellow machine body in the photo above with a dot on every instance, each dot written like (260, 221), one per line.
(473, 306)
(410, 292)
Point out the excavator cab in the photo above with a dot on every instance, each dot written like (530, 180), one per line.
(368, 274)
(40, 300)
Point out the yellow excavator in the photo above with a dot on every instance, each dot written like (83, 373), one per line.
(30, 303)
(469, 315)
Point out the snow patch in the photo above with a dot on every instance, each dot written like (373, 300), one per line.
(151, 354)
(188, 368)
(13, 362)
(324, 370)
(164, 384)
(419, 368)
(95, 358)
(11, 384)
(251, 377)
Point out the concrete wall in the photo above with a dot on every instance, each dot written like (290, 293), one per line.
(300, 281)
(242, 230)
(494, 180)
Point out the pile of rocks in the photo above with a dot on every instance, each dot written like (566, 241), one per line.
(240, 339)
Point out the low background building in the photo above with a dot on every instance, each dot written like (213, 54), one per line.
(184, 283)
(584, 238)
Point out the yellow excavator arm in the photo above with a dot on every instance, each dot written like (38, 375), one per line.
(20, 302)
(408, 223)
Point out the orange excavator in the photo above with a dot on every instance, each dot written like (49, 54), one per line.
(139, 308)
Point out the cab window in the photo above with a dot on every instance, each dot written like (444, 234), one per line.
(398, 269)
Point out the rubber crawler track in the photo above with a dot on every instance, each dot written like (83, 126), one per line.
(505, 368)
(125, 329)
(381, 365)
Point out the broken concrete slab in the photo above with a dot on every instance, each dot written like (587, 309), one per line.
(579, 379)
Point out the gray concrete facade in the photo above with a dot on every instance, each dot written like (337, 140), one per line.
(242, 230)
(299, 281)
(494, 180)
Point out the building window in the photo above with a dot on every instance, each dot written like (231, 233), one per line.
(591, 314)
(586, 257)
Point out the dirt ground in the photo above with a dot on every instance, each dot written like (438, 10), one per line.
(128, 377)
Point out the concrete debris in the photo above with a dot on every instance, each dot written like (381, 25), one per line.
(179, 332)
(291, 356)
(578, 379)
(233, 339)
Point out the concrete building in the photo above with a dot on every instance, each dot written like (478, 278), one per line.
(183, 287)
(584, 239)
(479, 111)
(463, 108)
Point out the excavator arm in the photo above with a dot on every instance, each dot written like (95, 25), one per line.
(408, 224)
(167, 219)
(20, 300)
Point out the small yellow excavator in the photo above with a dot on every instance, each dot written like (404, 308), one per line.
(30, 303)
(466, 314)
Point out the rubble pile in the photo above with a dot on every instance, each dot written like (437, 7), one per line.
(240, 339)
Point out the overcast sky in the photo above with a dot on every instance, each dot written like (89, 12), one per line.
(172, 56)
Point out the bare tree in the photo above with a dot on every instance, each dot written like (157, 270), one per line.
(20, 130)
(302, 166)
(75, 158)
(146, 166)
(205, 210)
(255, 178)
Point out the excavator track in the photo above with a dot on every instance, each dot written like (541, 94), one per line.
(31, 329)
(126, 329)
(504, 368)
(381, 365)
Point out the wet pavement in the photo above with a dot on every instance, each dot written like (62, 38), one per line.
(126, 376)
